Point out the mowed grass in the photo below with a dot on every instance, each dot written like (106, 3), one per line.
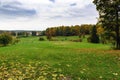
(32, 59)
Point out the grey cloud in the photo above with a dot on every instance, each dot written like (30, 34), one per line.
(56, 17)
(13, 9)
(75, 12)
(73, 4)
(87, 11)
(53, 1)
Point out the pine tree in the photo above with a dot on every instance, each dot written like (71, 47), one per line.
(94, 38)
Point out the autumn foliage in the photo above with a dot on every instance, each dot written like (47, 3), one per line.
(77, 30)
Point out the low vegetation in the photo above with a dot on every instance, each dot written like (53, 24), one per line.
(31, 59)
(41, 39)
(6, 39)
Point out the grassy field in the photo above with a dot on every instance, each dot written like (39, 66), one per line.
(32, 59)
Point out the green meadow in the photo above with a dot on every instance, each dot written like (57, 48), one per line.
(31, 59)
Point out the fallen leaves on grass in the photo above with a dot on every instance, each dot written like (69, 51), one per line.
(32, 70)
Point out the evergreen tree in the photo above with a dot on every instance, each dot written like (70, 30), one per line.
(94, 38)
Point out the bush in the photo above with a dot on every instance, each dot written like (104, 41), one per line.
(5, 39)
(94, 38)
(89, 39)
(53, 39)
(15, 40)
(49, 37)
(77, 40)
(41, 39)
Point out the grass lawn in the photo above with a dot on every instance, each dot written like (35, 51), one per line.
(31, 59)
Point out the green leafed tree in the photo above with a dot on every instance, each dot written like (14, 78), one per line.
(109, 18)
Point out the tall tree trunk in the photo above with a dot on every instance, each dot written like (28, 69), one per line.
(117, 30)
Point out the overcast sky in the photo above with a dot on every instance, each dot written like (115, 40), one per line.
(40, 14)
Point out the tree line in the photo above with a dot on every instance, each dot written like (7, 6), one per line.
(97, 33)
(76, 30)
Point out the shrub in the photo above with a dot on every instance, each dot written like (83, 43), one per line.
(89, 39)
(77, 40)
(5, 39)
(54, 39)
(41, 39)
(49, 37)
(15, 40)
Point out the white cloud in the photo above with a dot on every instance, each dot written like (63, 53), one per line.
(40, 14)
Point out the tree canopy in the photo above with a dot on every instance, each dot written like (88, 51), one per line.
(109, 18)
